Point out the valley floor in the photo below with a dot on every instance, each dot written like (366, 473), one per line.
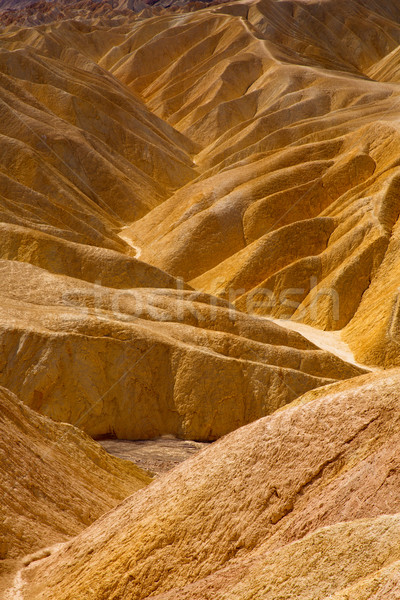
(157, 456)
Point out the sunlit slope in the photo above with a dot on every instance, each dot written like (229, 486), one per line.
(91, 335)
(81, 156)
(302, 504)
(54, 480)
(143, 362)
(298, 184)
(166, 183)
(232, 153)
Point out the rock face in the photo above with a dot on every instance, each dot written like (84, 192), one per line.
(54, 480)
(295, 505)
(176, 185)
(295, 213)
(139, 363)
(137, 151)
(190, 131)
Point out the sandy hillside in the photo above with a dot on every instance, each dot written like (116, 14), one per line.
(199, 242)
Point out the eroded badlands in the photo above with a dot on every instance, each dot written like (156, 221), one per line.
(199, 238)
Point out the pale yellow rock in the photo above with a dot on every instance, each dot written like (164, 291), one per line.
(321, 144)
(330, 559)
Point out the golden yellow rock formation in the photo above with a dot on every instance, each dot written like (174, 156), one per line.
(139, 150)
(139, 363)
(54, 480)
(292, 506)
(200, 236)
(296, 119)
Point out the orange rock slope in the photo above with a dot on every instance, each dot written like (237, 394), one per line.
(199, 231)
(54, 480)
(301, 504)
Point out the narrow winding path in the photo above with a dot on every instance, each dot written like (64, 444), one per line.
(331, 341)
